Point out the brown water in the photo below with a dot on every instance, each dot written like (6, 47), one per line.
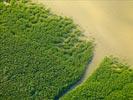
(109, 22)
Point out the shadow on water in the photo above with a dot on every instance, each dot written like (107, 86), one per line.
(77, 82)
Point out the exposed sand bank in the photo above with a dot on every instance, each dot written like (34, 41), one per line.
(109, 22)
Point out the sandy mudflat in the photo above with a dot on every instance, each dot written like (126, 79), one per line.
(109, 22)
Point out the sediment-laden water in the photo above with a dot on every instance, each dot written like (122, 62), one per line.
(109, 22)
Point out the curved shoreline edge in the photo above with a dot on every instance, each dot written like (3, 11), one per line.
(77, 82)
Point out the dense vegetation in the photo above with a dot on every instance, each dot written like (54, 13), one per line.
(41, 54)
(113, 80)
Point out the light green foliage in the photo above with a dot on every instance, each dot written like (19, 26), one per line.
(111, 81)
(41, 54)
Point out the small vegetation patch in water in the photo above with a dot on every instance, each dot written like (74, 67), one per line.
(41, 54)
(111, 81)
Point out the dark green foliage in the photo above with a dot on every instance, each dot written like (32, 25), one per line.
(41, 54)
(111, 81)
